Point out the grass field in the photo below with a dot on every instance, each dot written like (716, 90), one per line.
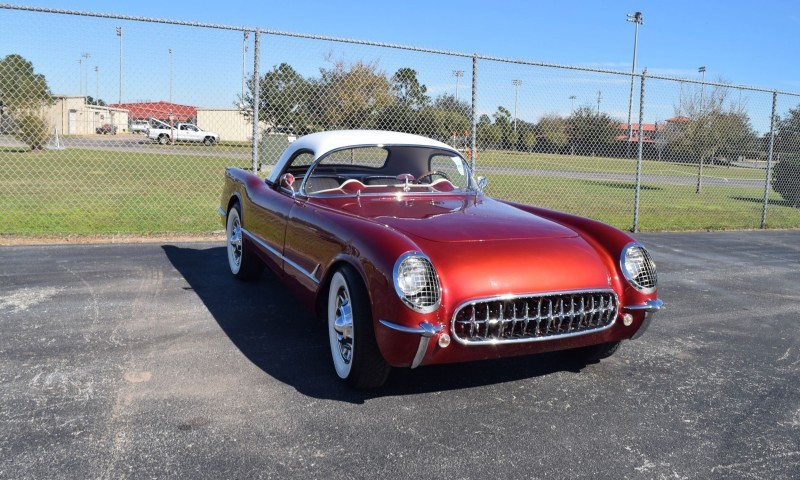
(88, 192)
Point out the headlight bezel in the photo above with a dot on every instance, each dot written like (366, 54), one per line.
(630, 277)
(417, 300)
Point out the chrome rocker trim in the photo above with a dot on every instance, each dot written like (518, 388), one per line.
(221, 211)
(310, 275)
(650, 307)
(425, 331)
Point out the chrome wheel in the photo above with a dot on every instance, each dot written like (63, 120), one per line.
(234, 234)
(340, 325)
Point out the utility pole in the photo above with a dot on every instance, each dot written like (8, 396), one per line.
(572, 104)
(516, 83)
(119, 34)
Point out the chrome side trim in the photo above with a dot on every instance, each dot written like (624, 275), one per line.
(425, 331)
(651, 307)
(497, 341)
(278, 254)
(221, 211)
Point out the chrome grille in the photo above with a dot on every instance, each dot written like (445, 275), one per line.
(640, 267)
(535, 317)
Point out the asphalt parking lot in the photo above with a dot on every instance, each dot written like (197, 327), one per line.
(150, 361)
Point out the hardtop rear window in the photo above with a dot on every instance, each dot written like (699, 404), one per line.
(364, 157)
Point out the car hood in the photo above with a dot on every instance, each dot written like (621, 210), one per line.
(456, 218)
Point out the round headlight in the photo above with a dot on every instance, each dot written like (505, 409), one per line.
(416, 283)
(638, 268)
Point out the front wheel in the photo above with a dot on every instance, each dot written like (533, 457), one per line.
(208, 141)
(163, 139)
(354, 350)
(244, 264)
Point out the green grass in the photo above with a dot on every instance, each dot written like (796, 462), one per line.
(89, 192)
(577, 163)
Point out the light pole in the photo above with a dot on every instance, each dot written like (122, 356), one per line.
(170, 75)
(244, 52)
(96, 84)
(516, 83)
(599, 97)
(458, 74)
(119, 34)
(702, 71)
(638, 20)
(80, 77)
(85, 76)
(572, 104)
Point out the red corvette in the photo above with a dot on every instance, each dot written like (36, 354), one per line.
(388, 237)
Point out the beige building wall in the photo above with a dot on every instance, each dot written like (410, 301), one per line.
(71, 116)
(229, 124)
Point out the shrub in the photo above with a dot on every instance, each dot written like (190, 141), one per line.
(32, 130)
(786, 179)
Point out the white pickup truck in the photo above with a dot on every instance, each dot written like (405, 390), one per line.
(179, 132)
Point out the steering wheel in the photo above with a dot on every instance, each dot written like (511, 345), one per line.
(431, 173)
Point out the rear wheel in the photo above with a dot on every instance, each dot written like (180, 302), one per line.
(243, 263)
(595, 353)
(354, 350)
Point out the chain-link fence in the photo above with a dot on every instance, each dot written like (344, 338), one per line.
(114, 124)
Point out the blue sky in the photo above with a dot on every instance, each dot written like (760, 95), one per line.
(752, 43)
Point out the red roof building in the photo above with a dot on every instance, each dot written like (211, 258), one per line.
(158, 110)
(648, 132)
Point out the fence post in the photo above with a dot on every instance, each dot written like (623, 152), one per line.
(256, 96)
(769, 160)
(474, 128)
(639, 157)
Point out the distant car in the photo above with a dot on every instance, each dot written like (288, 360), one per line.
(392, 241)
(139, 126)
(180, 132)
(107, 129)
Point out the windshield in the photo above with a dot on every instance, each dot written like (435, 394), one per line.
(382, 169)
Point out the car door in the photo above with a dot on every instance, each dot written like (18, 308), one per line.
(267, 221)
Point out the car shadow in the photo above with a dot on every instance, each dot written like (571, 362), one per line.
(281, 337)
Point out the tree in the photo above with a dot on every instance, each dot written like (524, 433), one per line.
(710, 126)
(786, 179)
(22, 90)
(351, 95)
(23, 96)
(553, 131)
(409, 92)
(283, 99)
(91, 101)
(787, 132)
(591, 131)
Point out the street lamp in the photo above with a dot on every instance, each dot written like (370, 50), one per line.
(572, 103)
(458, 74)
(119, 34)
(170, 75)
(516, 83)
(638, 20)
(244, 51)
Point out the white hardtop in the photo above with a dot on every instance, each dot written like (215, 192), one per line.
(323, 142)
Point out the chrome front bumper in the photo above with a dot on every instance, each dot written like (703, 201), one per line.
(425, 331)
(650, 307)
